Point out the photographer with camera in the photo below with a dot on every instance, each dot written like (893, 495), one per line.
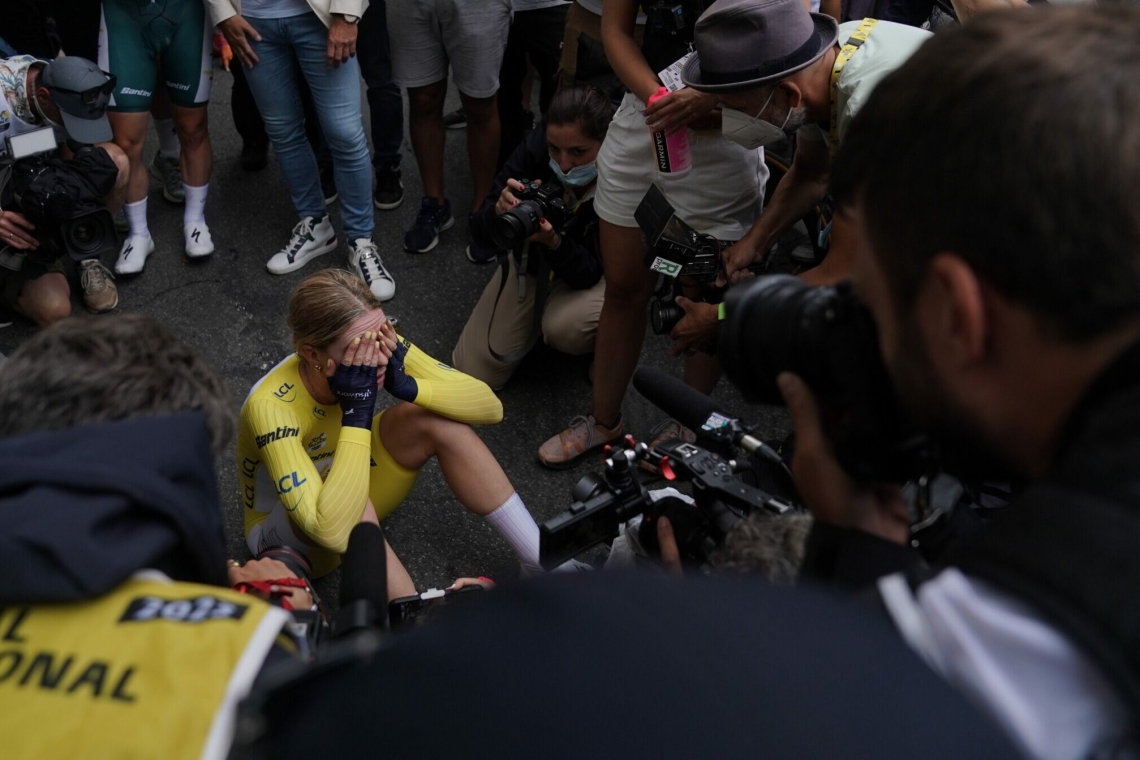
(777, 69)
(56, 202)
(999, 273)
(119, 634)
(562, 291)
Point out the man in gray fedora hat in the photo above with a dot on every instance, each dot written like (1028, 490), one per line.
(779, 69)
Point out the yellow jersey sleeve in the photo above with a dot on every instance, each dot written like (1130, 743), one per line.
(450, 393)
(325, 511)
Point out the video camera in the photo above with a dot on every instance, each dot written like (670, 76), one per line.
(779, 323)
(69, 218)
(675, 249)
(603, 503)
(536, 202)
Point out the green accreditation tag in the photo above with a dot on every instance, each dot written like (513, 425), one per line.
(665, 267)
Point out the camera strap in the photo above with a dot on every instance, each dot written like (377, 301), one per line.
(854, 42)
(542, 287)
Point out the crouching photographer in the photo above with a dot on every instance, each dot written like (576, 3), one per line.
(1010, 328)
(549, 284)
(60, 179)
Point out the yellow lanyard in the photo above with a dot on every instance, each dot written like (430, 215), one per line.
(858, 37)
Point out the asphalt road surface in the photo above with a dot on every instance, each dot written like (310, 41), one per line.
(231, 309)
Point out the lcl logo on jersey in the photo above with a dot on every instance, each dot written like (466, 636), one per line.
(286, 393)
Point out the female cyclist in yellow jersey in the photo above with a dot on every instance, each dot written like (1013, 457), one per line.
(314, 459)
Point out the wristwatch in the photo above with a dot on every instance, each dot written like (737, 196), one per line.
(349, 19)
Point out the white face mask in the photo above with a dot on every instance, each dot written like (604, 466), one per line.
(751, 132)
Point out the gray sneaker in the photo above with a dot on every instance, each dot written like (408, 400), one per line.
(166, 171)
(99, 292)
(365, 259)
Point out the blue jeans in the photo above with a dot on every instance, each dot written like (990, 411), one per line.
(336, 99)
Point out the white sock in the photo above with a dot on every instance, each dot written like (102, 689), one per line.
(136, 215)
(194, 213)
(515, 524)
(168, 144)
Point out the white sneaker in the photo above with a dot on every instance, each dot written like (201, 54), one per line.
(198, 240)
(133, 254)
(311, 238)
(365, 259)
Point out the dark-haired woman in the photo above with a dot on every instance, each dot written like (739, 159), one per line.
(502, 326)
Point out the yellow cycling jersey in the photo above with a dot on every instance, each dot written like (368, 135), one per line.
(154, 668)
(305, 480)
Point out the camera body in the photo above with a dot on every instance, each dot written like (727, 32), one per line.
(603, 503)
(537, 201)
(675, 249)
(69, 218)
(779, 323)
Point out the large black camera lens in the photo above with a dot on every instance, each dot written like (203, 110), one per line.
(89, 235)
(780, 323)
(510, 230)
(826, 336)
(664, 316)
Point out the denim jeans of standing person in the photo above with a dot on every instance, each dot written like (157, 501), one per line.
(336, 99)
(385, 104)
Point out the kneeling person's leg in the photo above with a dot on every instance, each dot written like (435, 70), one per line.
(45, 299)
(570, 322)
(500, 323)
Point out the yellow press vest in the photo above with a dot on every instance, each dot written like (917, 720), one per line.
(154, 669)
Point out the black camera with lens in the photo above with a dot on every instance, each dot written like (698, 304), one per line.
(69, 218)
(664, 315)
(536, 202)
(779, 323)
(68, 214)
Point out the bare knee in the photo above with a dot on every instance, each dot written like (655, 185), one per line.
(46, 299)
(480, 110)
(122, 163)
(426, 101)
(193, 130)
(627, 294)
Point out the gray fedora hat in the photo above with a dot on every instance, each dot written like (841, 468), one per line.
(742, 44)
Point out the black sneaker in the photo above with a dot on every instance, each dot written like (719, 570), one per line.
(477, 254)
(457, 119)
(389, 192)
(434, 217)
(254, 156)
(328, 184)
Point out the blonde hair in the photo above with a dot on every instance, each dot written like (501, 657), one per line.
(324, 305)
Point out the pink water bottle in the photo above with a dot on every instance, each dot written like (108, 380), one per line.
(671, 151)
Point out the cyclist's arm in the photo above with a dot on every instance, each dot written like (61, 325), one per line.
(325, 511)
(450, 393)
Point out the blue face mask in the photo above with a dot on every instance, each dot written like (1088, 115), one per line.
(579, 176)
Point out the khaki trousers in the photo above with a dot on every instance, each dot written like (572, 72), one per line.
(569, 325)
